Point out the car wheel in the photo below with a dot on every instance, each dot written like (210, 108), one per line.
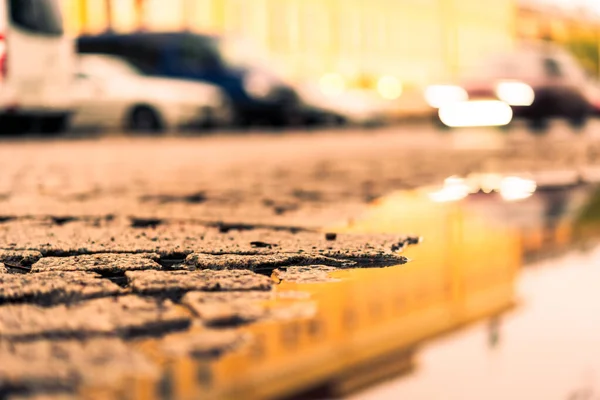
(241, 119)
(578, 120)
(14, 125)
(55, 124)
(539, 125)
(284, 118)
(144, 119)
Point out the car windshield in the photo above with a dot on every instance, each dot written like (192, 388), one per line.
(105, 66)
(203, 52)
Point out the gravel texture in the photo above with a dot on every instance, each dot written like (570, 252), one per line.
(175, 240)
(22, 258)
(167, 282)
(54, 287)
(102, 263)
(125, 316)
(270, 262)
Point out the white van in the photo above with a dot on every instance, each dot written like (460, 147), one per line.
(36, 67)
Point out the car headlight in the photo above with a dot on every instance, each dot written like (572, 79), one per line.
(476, 113)
(258, 85)
(514, 188)
(515, 93)
(438, 96)
(389, 87)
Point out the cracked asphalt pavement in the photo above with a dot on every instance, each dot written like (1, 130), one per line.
(108, 242)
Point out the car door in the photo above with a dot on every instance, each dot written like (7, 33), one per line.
(89, 96)
(96, 94)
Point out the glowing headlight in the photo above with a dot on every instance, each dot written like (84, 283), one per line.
(476, 113)
(454, 189)
(389, 87)
(332, 84)
(258, 85)
(440, 95)
(514, 188)
(515, 93)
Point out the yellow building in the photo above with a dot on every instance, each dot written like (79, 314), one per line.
(415, 40)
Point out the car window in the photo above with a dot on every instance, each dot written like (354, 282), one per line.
(552, 68)
(143, 52)
(99, 46)
(198, 54)
(39, 16)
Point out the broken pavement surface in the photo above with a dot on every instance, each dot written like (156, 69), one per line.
(151, 287)
(54, 287)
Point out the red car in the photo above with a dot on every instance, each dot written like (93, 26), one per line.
(538, 82)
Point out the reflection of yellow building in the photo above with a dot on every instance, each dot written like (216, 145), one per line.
(415, 40)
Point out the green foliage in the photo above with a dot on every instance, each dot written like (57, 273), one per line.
(587, 51)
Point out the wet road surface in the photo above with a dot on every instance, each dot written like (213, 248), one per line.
(301, 179)
(119, 241)
(546, 349)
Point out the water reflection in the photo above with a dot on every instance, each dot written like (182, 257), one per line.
(548, 347)
(511, 188)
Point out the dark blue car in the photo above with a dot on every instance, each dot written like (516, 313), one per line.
(256, 93)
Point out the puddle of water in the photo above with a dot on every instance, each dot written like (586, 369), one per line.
(464, 269)
(547, 349)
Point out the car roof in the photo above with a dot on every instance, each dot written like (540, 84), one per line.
(145, 35)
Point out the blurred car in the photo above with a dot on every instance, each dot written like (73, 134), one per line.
(593, 93)
(36, 66)
(353, 107)
(111, 93)
(536, 82)
(255, 91)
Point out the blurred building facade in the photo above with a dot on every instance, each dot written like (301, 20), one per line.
(578, 30)
(417, 41)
